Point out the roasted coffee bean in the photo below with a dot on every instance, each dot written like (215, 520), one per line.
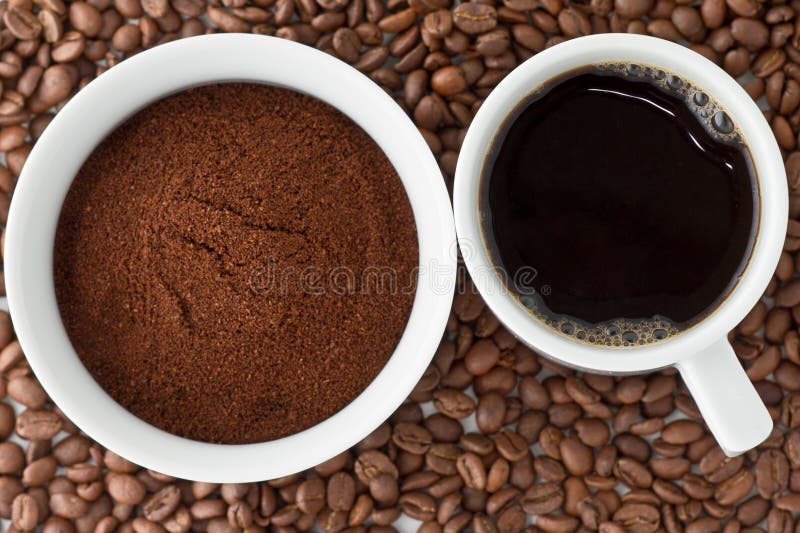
(412, 438)
(453, 403)
(438, 23)
(310, 496)
(448, 507)
(522, 473)
(419, 480)
(52, 25)
(40, 471)
(632, 473)
(477, 443)
(75, 449)
(592, 432)
(791, 448)
(531, 424)
(22, 23)
(446, 485)
(126, 489)
(472, 471)
(736, 61)
(428, 113)
(574, 23)
(208, 509)
(632, 446)
(24, 512)
(68, 505)
(631, 9)
(673, 468)
(682, 432)
(511, 445)
(564, 415)
(373, 463)
(85, 18)
(498, 379)
(669, 492)
(473, 500)
(376, 439)
(768, 62)
(764, 364)
(501, 499)
(705, 524)
(490, 412)
(788, 502)
(474, 18)
(55, 85)
(418, 505)
(361, 511)
(511, 519)
(631, 389)
(645, 516)
(533, 394)
(689, 22)
(415, 85)
(771, 473)
(483, 354)
(161, 504)
(449, 81)
(579, 391)
(441, 458)
(498, 475)
(22, 389)
(779, 521)
(468, 304)
(716, 467)
(593, 512)
(341, 491)
(557, 523)
(734, 488)
(542, 498)
(753, 511)
(443, 428)
(38, 424)
(576, 456)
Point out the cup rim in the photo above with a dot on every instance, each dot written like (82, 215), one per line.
(93, 113)
(767, 160)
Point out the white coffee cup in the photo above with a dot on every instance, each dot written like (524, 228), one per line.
(706, 361)
(96, 111)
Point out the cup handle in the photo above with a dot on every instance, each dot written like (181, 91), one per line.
(726, 398)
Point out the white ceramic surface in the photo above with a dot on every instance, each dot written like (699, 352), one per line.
(96, 111)
(705, 359)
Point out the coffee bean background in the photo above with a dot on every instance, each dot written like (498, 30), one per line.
(494, 437)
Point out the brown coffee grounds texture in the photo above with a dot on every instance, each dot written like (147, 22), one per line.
(183, 248)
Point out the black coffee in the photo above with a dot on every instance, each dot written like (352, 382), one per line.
(621, 203)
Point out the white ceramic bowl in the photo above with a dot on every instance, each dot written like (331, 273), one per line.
(101, 107)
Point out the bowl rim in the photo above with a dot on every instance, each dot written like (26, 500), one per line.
(93, 113)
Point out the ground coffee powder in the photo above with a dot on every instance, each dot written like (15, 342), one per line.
(215, 262)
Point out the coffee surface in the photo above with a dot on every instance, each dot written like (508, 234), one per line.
(213, 257)
(621, 208)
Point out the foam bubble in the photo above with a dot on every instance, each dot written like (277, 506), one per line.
(674, 82)
(722, 122)
(700, 98)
